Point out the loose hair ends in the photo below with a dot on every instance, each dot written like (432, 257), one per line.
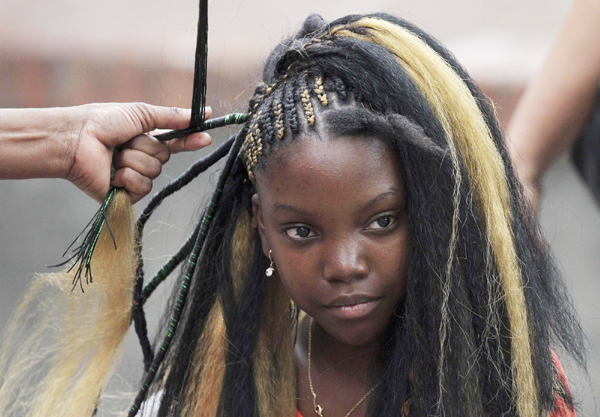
(61, 345)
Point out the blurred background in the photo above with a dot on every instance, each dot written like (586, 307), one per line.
(70, 52)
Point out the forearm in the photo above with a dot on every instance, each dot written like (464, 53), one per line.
(556, 104)
(36, 143)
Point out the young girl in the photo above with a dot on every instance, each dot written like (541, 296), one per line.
(371, 190)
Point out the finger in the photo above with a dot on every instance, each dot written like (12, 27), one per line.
(189, 143)
(136, 118)
(141, 162)
(150, 146)
(134, 182)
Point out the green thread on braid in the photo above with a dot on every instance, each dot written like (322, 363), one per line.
(199, 243)
(84, 252)
(234, 118)
(139, 294)
(230, 119)
(170, 265)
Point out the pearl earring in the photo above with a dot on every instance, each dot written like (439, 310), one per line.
(271, 268)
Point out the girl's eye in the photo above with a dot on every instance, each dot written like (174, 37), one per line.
(299, 232)
(382, 222)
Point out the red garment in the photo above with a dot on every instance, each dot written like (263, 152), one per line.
(562, 409)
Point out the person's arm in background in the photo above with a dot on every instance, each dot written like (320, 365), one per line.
(556, 104)
(76, 143)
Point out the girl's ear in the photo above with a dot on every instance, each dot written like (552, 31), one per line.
(256, 209)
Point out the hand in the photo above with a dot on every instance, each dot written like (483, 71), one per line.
(102, 128)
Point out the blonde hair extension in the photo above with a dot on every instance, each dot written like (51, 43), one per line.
(273, 362)
(209, 357)
(465, 127)
(208, 368)
(61, 345)
(242, 249)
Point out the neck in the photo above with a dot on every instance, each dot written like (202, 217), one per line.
(342, 374)
(328, 350)
(331, 355)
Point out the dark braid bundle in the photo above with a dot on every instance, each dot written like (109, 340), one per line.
(193, 246)
(139, 299)
(192, 262)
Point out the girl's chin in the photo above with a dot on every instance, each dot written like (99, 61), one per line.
(357, 335)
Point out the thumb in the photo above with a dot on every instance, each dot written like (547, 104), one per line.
(118, 123)
(157, 117)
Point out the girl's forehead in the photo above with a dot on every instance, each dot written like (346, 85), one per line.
(325, 150)
(317, 167)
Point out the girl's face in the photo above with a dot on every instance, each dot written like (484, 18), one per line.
(333, 214)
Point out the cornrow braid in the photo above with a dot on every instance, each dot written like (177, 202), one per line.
(320, 91)
(289, 104)
(275, 109)
(267, 120)
(306, 102)
(278, 111)
(252, 145)
(339, 88)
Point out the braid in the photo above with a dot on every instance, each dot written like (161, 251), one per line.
(278, 111)
(289, 104)
(138, 315)
(252, 146)
(267, 123)
(170, 265)
(259, 93)
(305, 98)
(320, 91)
(140, 293)
(190, 271)
(339, 88)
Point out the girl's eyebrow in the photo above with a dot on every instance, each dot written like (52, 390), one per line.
(278, 207)
(394, 192)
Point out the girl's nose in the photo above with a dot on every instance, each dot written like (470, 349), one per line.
(344, 261)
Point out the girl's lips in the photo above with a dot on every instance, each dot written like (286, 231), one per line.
(353, 311)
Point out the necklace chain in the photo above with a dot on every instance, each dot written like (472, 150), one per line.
(317, 407)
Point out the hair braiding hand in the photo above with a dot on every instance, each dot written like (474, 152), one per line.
(104, 128)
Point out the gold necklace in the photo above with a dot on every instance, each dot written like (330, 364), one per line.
(317, 407)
